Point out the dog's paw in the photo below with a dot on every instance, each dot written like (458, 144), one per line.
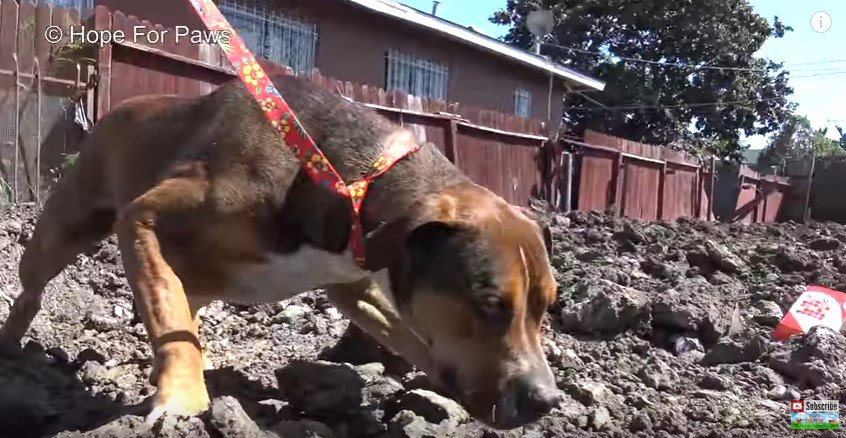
(181, 402)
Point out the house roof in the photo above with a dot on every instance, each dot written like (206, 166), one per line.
(750, 156)
(447, 28)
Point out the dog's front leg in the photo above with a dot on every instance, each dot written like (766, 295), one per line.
(365, 304)
(163, 305)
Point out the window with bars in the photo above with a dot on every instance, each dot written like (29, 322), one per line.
(416, 75)
(522, 102)
(273, 36)
(85, 7)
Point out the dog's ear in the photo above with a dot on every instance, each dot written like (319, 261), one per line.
(542, 219)
(426, 240)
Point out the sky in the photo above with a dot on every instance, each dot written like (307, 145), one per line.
(820, 93)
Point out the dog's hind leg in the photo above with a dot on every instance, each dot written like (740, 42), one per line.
(161, 299)
(71, 222)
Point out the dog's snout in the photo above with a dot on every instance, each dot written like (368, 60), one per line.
(532, 397)
(535, 397)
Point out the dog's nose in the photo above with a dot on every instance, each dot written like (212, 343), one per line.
(534, 397)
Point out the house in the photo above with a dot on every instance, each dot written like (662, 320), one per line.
(385, 44)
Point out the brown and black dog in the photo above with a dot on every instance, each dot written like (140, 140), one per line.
(209, 204)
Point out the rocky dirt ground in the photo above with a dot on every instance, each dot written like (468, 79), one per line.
(661, 329)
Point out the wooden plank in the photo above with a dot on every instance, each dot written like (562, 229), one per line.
(26, 37)
(662, 187)
(616, 182)
(103, 21)
(451, 141)
(43, 20)
(8, 42)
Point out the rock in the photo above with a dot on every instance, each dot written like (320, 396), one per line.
(229, 419)
(780, 392)
(714, 381)
(100, 322)
(172, 426)
(433, 407)
(599, 418)
(723, 259)
(408, 425)
(301, 429)
(657, 375)
(561, 221)
(770, 314)
(825, 244)
(589, 393)
(640, 422)
(790, 260)
(813, 359)
(92, 373)
(292, 314)
(89, 354)
(14, 227)
(569, 359)
(728, 351)
(321, 388)
(129, 425)
(698, 257)
(607, 309)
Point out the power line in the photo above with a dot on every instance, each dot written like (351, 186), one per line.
(832, 61)
(686, 105)
(819, 74)
(680, 64)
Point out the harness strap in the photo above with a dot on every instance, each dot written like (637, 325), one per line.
(294, 135)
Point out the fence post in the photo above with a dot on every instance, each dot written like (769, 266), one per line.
(451, 137)
(807, 204)
(616, 184)
(37, 66)
(103, 22)
(711, 215)
(662, 184)
(17, 85)
(568, 180)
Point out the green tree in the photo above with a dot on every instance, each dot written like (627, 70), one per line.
(797, 138)
(673, 95)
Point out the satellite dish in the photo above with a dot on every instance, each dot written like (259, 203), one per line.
(540, 22)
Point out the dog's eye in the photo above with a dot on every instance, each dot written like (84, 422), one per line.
(495, 311)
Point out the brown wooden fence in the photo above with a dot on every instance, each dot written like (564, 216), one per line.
(639, 180)
(38, 88)
(508, 154)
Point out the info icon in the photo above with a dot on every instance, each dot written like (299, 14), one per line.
(797, 406)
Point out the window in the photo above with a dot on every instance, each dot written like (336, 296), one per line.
(85, 7)
(273, 36)
(416, 76)
(522, 102)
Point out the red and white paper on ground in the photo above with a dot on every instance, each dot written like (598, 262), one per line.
(816, 306)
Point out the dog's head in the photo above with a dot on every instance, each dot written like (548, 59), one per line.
(473, 280)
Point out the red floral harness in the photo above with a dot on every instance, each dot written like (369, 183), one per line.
(283, 119)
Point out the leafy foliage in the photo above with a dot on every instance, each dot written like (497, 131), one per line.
(671, 96)
(795, 139)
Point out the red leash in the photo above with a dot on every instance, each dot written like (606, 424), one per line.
(293, 134)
